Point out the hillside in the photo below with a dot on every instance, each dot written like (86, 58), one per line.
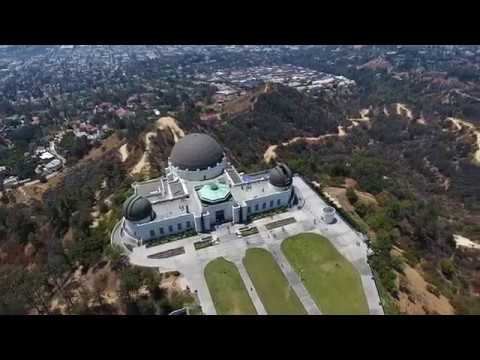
(279, 114)
(55, 249)
(399, 152)
(419, 170)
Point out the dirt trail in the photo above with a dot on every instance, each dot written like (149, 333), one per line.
(462, 241)
(457, 122)
(268, 87)
(402, 109)
(143, 162)
(164, 123)
(421, 121)
(270, 154)
(168, 122)
(123, 152)
(385, 111)
(363, 117)
(460, 124)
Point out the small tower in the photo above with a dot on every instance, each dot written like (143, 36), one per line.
(329, 215)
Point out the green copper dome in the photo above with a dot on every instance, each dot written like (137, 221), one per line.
(214, 192)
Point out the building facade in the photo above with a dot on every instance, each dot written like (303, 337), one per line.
(201, 189)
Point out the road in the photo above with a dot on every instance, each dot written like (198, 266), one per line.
(54, 152)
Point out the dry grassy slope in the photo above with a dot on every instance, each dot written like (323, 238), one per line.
(340, 194)
(111, 142)
(416, 296)
(245, 102)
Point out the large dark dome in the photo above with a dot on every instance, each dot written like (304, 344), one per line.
(196, 151)
(281, 176)
(137, 208)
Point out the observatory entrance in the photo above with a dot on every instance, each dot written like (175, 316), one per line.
(220, 216)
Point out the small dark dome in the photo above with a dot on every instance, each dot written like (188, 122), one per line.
(281, 176)
(196, 151)
(137, 208)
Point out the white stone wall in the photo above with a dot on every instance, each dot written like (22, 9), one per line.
(142, 231)
(206, 222)
(283, 196)
(198, 223)
(236, 214)
(199, 175)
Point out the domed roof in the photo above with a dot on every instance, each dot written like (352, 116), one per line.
(196, 151)
(281, 176)
(137, 208)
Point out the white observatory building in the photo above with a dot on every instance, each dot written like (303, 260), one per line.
(201, 189)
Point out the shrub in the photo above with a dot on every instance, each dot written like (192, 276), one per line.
(397, 264)
(363, 209)
(115, 254)
(103, 208)
(351, 195)
(411, 257)
(447, 268)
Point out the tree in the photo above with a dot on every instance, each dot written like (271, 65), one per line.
(100, 283)
(447, 268)
(130, 282)
(351, 195)
(115, 254)
(22, 290)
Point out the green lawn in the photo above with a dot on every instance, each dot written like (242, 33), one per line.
(271, 285)
(331, 280)
(227, 289)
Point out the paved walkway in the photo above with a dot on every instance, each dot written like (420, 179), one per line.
(294, 280)
(250, 288)
(198, 284)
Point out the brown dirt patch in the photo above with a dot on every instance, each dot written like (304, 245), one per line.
(102, 280)
(416, 299)
(340, 194)
(177, 283)
(350, 183)
(377, 64)
(245, 102)
(111, 142)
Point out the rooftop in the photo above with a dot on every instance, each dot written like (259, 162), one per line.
(252, 190)
(153, 187)
(232, 172)
(171, 208)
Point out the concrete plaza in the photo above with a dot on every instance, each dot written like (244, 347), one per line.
(308, 219)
